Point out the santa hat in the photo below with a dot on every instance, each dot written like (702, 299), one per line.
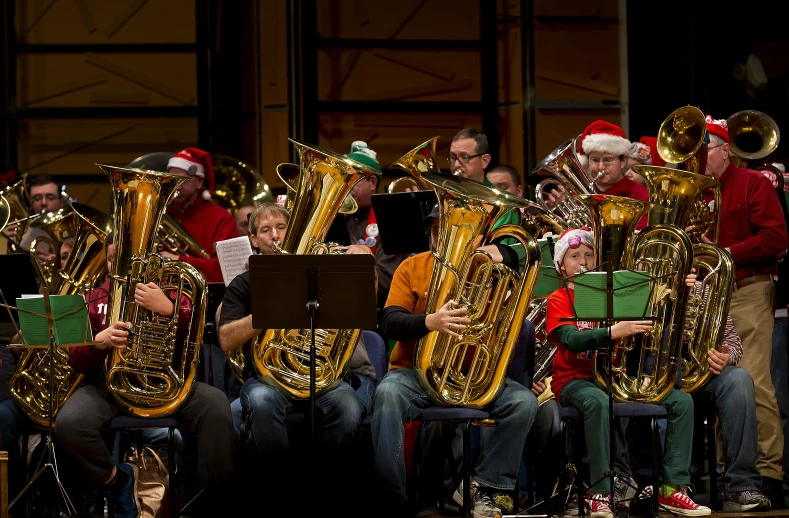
(570, 238)
(651, 142)
(363, 154)
(195, 162)
(603, 137)
(718, 127)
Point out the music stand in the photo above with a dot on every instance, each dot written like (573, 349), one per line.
(400, 217)
(608, 320)
(19, 280)
(313, 292)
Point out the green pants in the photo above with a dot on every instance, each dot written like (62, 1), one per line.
(593, 404)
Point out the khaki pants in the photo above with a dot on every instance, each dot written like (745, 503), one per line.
(752, 312)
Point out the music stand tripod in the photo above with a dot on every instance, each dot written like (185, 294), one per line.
(313, 292)
(50, 466)
(607, 321)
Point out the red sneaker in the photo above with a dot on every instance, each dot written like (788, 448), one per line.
(599, 506)
(679, 502)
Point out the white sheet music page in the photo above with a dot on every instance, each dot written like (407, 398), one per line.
(233, 254)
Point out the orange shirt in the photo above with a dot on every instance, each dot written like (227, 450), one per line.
(409, 291)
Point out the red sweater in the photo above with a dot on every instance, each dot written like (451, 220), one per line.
(567, 365)
(752, 224)
(207, 223)
(630, 189)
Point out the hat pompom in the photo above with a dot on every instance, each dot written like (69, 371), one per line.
(718, 127)
(779, 166)
(360, 146)
(363, 154)
(206, 195)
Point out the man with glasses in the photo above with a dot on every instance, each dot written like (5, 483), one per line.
(44, 195)
(204, 220)
(753, 230)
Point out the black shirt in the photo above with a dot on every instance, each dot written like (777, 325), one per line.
(236, 305)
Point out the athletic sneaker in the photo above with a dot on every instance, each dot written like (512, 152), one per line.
(679, 502)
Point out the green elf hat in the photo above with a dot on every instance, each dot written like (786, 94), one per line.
(363, 154)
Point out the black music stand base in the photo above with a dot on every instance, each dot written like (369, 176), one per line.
(51, 465)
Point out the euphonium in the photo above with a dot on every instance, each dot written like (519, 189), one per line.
(753, 135)
(19, 209)
(281, 356)
(173, 238)
(497, 297)
(154, 374)
(705, 317)
(85, 269)
(544, 351)
(421, 159)
(563, 168)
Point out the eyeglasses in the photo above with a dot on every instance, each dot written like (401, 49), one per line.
(39, 197)
(464, 159)
(605, 160)
(710, 148)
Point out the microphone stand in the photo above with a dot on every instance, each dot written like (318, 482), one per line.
(51, 464)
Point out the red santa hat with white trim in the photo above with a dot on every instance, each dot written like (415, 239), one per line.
(195, 162)
(603, 137)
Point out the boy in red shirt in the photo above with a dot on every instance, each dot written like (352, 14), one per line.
(573, 385)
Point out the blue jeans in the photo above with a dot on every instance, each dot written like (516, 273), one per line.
(338, 413)
(399, 399)
(736, 407)
(365, 394)
(779, 371)
(236, 411)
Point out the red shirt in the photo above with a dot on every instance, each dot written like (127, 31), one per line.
(567, 365)
(207, 223)
(630, 189)
(752, 224)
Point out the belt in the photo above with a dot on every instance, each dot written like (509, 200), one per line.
(753, 279)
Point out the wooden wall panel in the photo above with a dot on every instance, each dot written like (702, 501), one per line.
(555, 127)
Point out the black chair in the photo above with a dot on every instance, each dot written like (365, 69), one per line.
(126, 423)
(630, 410)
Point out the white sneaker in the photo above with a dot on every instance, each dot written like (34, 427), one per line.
(482, 504)
(599, 506)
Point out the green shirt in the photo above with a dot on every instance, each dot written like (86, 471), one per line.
(511, 217)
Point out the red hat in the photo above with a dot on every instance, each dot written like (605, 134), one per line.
(718, 127)
(604, 137)
(196, 162)
(651, 142)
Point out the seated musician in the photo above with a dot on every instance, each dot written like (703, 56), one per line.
(200, 217)
(603, 150)
(360, 227)
(339, 411)
(572, 385)
(242, 219)
(90, 409)
(399, 398)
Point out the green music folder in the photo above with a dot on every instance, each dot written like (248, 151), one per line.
(547, 278)
(631, 294)
(70, 315)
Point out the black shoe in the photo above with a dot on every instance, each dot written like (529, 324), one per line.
(773, 489)
(94, 503)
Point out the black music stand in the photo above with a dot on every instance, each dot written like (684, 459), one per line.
(608, 320)
(19, 279)
(313, 292)
(400, 219)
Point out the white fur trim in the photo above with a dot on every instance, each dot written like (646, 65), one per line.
(779, 166)
(584, 161)
(604, 143)
(206, 195)
(182, 163)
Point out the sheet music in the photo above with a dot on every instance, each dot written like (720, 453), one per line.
(233, 254)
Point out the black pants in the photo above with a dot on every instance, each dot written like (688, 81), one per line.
(206, 413)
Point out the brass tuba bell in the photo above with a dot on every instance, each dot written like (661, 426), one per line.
(289, 174)
(421, 159)
(281, 356)
(682, 138)
(19, 210)
(753, 135)
(497, 297)
(562, 167)
(154, 375)
(236, 184)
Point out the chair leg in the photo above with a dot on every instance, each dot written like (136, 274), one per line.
(578, 483)
(657, 457)
(174, 512)
(712, 459)
(467, 469)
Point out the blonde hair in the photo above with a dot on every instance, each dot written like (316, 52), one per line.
(266, 209)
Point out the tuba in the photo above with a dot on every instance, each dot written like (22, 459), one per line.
(665, 252)
(281, 356)
(289, 174)
(421, 159)
(19, 210)
(544, 351)
(563, 168)
(497, 298)
(154, 374)
(236, 184)
(85, 269)
(5, 212)
(754, 135)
